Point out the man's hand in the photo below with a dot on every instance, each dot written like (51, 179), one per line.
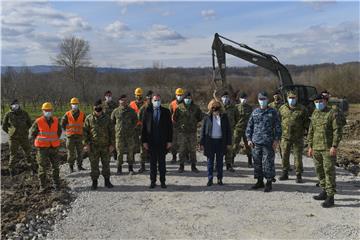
(111, 148)
(275, 144)
(310, 152)
(168, 145)
(333, 151)
(229, 147)
(87, 148)
(146, 146)
(201, 147)
(251, 144)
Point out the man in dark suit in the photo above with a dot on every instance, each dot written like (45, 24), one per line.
(157, 137)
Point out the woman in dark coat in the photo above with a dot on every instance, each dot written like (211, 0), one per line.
(215, 139)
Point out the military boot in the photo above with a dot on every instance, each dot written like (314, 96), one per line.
(181, 168)
(268, 186)
(142, 168)
(209, 183)
(94, 184)
(258, 184)
(321, 196)
(108, 183)
(194, 169)
(299, 179)
(284, 176)
(250, 165)
(329, 202)
(131, 169)
(229, 168)
(71, 168)
(119, 170)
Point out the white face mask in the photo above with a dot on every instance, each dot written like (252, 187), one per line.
(15, 107)
(74, 107)
(47, 114)
(108, 98)
(243, 100)
(263, 103)
(179, 97)
(156, 103)
(187, 101)
(225, 100)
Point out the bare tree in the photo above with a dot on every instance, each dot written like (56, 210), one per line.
(74, 56)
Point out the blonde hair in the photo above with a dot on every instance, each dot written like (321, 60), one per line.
(214, 104)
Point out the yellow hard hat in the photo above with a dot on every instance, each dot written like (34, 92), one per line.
(179, 91)
(47, 106)
(138, 92)
(74, 100)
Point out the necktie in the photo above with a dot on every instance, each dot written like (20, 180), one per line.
(157, 115)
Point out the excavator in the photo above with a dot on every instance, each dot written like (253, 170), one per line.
(268, 61)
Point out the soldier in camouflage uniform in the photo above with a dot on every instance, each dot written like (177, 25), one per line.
(186, 118)
(245, 111)
(263, 133)
(108, 107)
(278, 102)
(233, 116)
(46, 132)
(99, 142)
(124, 118)
(16, 123)
(72, 123)
(323, 139)
(144, 156)
(294, 121)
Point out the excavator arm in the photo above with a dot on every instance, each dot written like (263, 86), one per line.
(267, 61)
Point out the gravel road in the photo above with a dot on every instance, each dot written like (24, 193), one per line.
(188, 209)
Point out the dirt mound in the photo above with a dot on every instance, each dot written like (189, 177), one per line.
(352, 130)
(22, 206)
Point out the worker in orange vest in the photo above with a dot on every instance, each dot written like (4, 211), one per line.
(179, 95)
(72, 123)
(137, 105)
(46, 132)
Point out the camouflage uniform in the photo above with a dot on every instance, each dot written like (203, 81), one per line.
(175, 146)
(124, 119)
(186, 119)
(46, 155)
(234, 117)
(16, 123)
(276, 105)
(99, 134)
(245, 111)
(73, 143)
(324, 132)
(294, 122)
(263, 129)
(108, 107)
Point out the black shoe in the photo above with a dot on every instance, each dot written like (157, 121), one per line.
(108, 183)
(284, 176)
(229, 168)
(258, 184)
(268, 186)
(219, 181)
(317, 184)
(71, 169)
(163, 185)
(321, 196)
(119, 170)
(290, 169)
(94, 185)
(181, 168)
(299, 179)
(131, 170)
(210, 183)
(329, 202)
(142, 168)
(80, 168)
(152, 185)
(194, 169)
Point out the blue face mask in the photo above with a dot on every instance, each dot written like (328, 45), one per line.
(156, 104)
(187, 101)
(263, 103)
(320, 106)
(292, 101)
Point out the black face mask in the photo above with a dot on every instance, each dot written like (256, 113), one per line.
(98, 109)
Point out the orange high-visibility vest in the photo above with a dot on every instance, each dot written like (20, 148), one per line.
(47, 136)
(173, 107)
(137, 110)
(74, 127)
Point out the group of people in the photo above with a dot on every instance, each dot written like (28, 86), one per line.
(146, 126)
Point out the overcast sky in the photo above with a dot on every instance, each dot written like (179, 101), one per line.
(135, 34)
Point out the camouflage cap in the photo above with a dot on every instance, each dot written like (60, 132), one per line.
(291, 94)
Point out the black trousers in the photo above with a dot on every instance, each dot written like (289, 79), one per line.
(157, 162)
